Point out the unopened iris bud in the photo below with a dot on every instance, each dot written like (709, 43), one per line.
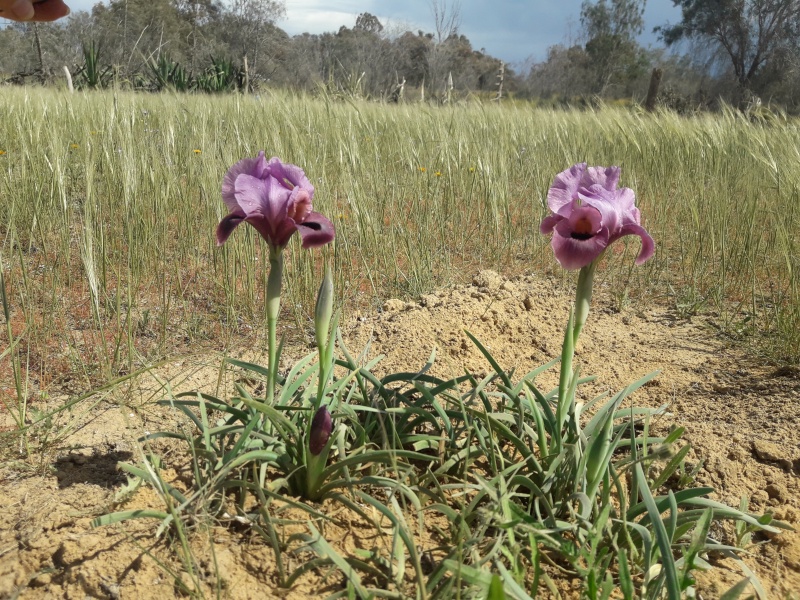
(321, 426)
(324, 310)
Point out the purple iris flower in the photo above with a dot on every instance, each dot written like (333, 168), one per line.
(275, 198)
(321, 426)
(590, 213)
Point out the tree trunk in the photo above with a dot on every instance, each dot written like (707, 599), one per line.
(652, 92)
(68, 75)
(501, 76)
(37, 39)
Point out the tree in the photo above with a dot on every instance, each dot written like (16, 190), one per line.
(446, 20)
(611, 28)
(248, 28)
(750, 32)
(368, 23)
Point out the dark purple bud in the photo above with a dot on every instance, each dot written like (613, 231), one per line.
(321, 427)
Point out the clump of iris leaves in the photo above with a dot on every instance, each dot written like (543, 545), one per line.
(534, 486)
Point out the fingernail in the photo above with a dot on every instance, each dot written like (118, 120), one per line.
(22, 9)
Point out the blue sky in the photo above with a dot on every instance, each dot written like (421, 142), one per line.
(512, 30)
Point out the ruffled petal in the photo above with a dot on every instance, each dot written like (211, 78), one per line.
(276, 202)
(604, 202)
(607, 177)
(626, 205)
(251, 195)
(248, 166)
(299, 205)
(290, 176)
(316, 231)
(564, 188)
(226, 227)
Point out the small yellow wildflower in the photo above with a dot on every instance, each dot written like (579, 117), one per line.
(438, 173)
(423, 169)
(2, 152)
(197, 151)
(472, 169)
(74, 146)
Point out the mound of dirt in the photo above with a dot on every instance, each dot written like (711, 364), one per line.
(739, 417)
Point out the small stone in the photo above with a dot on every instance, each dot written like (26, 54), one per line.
(430, 300)
(777, 491)
(187, 586)
(487, 279)
(528, 303)
(393, 305)
(42, 580)
(770, 452)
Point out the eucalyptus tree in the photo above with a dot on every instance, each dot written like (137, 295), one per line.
(751, 34)
(611, 27)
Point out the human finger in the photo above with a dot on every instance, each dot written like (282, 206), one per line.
(49, 10)
(19, 10)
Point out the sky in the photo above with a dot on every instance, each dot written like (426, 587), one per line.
(511, 30)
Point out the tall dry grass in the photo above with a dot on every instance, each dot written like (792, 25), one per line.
(110, 201)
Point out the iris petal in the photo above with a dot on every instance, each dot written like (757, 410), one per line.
(276, 199)
(564, 188)
(245, 166)
(607, 177)
(648, 245)
(589, 213)
(576, 254)
(549, 223)
(226, 227)
(316, 231)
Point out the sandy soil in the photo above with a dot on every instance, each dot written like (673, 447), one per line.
(740, 418)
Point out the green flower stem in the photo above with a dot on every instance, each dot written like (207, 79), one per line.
(583, 298)
(314, 467)
(273, 308)
(565, 379)
(577, 319)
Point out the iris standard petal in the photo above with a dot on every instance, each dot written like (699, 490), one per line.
(604, 202)
(248, 166)
(626, 205)
(276, 201)
(607, 177)
(316, 231)
(251, 195)
(290, 176)
(564, 188)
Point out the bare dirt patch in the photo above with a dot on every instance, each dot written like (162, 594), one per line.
(740, 417)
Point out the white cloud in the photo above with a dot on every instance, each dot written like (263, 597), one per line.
(508, 29)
